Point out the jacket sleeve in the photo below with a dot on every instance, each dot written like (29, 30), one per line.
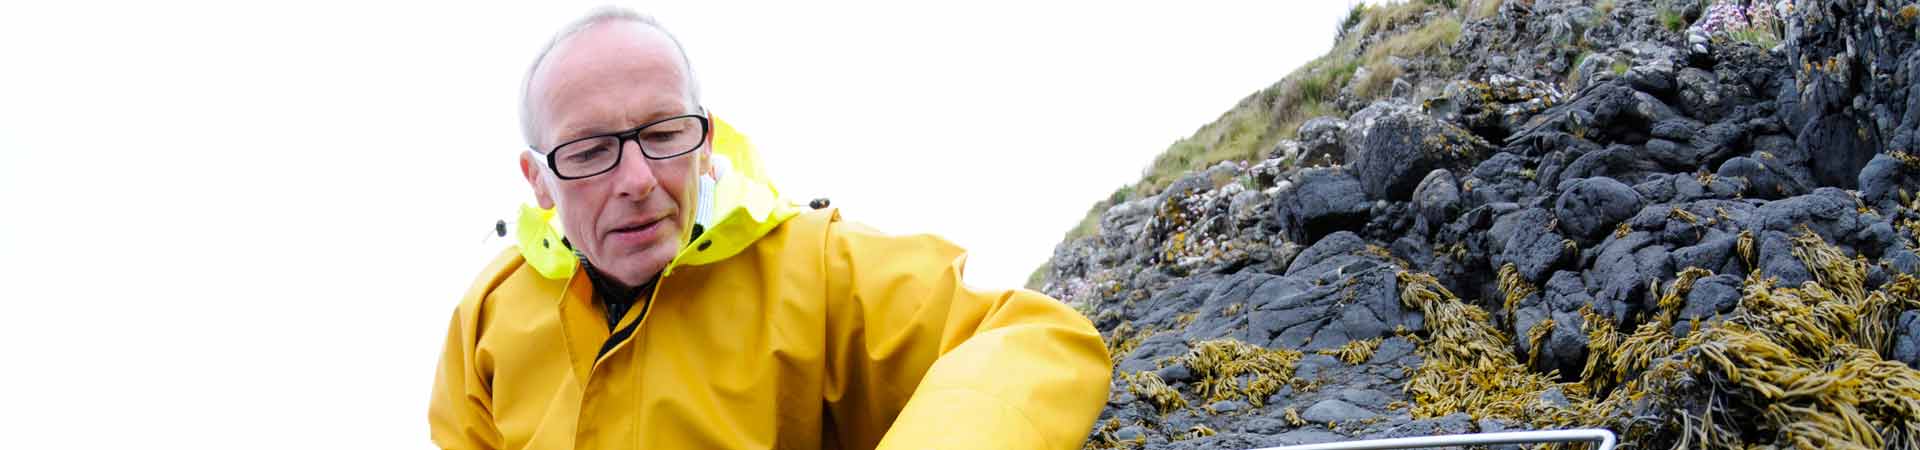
(917, 359)
(461, 410)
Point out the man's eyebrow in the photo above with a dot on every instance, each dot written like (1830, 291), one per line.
(574, 133)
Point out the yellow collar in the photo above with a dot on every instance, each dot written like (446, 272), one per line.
(737, 205)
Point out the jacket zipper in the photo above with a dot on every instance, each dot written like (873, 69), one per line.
(626, 332)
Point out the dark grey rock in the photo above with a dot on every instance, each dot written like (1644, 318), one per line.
(1760, 181)
(1227, 406)
(1590, 208)
(1875, 238)
(1264, 425)
(1692, 148)
(1712, 295)
(1843, 152)
(1554, 396)
(1366, 398)
(1175, 373)
(1714, 143)
(1678, 129)
(1333, 293)
(1500, 166)
(1622, 163)
(1906, 339)
(1716, 254)
(1529, 240)
(1673, 155)
(1322, 201)
(1903, 261)
(1154, 348)
(1335, 411)
(1827, 211)
(1327, 248)
(1393, 349)
(1884, 177)
(1456, 423)
(1654, 76)
(1700, 93)
(1322, 141)
(1560, 300)
(1437, 199)
(1395, 146)
(1625, 267)
(1305, 436)
(1316, 366)
(1774, 258)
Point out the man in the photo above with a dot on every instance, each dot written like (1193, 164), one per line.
(702, 312)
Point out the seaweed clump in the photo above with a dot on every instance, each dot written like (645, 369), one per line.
(1469, 368)
(1221, 364)
(1801, 366)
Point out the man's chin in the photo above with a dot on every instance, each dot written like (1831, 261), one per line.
(634, 269)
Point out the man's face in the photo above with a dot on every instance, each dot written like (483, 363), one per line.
(613, 77)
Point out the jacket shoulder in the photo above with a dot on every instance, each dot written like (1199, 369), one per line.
(507, 269)
(811, 223)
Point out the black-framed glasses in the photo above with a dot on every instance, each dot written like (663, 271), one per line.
(661, 139)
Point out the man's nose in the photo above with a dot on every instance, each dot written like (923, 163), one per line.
(634, 177)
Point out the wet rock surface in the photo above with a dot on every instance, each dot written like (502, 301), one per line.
(1578, 216)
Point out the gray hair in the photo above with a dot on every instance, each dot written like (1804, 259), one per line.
(598, 16)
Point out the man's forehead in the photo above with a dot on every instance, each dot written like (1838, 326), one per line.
(609, 39)
(602, 58)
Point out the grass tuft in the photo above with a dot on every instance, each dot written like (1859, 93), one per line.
(1378, 82)
(1484, 8)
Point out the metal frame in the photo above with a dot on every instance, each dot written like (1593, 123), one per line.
(1602, 439)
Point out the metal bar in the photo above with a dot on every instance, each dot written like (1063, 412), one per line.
(1603, 439)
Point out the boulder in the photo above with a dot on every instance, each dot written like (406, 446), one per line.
(1589, 208)
(1394, 146)
(1436, 199)
(1321, 201)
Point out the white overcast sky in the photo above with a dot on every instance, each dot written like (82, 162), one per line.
(246, 225)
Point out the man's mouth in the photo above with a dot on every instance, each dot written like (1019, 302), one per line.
(635, 232)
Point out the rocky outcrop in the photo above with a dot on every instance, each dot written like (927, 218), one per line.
(1619, 215)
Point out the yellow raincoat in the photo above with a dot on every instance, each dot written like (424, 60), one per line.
(789, 330)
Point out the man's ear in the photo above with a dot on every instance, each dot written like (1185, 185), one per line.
(706, 151)
(536, 179)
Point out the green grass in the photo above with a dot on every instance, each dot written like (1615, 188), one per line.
(1246, 131)
(1354, 14)
(1573, 72)
(1431, 39)
(1379, 80)
(1671, 18)
(1393, 15)
(1039, 275)
(1482, 9)
(1242, 134)
(1759, 37)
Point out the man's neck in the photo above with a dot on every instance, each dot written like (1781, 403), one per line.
(617, 298)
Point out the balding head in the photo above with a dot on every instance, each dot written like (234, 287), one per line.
(640, 26)
(616, 75)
